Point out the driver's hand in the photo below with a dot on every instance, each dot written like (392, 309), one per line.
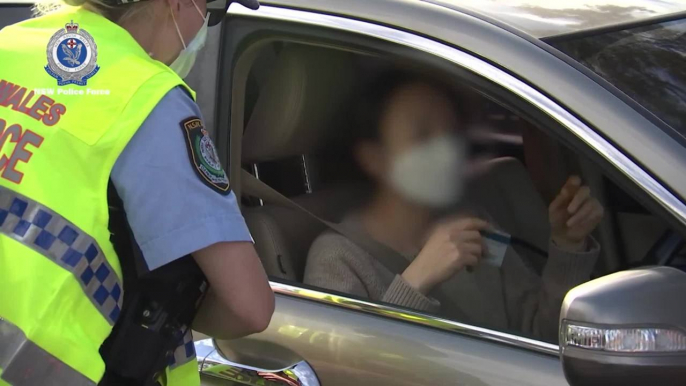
(573, 215)
(451, 247)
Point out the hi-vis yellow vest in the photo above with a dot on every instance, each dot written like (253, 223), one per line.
(60, 279)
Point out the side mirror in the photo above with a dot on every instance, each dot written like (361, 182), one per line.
(628, 328)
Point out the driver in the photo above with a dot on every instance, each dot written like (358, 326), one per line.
(412, 152)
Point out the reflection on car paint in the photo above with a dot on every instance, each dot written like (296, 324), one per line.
(250, 377)
(212, 363)
(414, 317)
(292, 331)
(203, 349)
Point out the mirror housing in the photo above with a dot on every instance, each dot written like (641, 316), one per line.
(628, 328)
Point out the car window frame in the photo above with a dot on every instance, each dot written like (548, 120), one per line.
(582, 131)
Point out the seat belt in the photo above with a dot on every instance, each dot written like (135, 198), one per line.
(390, 259)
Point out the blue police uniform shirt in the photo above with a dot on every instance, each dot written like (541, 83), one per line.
(171, 210)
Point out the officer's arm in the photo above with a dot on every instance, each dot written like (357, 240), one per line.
(240, 301)
(178, 203)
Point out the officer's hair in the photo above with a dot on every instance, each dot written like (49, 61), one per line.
(117, 14)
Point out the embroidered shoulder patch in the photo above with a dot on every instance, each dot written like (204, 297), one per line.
(204, 156)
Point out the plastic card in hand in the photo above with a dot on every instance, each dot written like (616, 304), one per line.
(496, 244)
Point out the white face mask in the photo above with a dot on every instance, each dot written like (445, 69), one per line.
(431, 173)
(186, 59)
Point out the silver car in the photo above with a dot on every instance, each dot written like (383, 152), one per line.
(604, 81)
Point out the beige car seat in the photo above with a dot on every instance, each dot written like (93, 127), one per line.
(292, 117)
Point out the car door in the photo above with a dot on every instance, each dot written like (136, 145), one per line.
(334, 339)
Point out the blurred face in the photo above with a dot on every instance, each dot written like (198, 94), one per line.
(415, 113)
(418, 154)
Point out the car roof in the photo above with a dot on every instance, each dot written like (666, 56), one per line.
(537, 18)
(545, 18)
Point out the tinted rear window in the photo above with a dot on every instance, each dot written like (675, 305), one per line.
(647, 63)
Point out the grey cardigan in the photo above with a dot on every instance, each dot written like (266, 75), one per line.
(512, 298)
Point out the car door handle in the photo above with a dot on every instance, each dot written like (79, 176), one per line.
(253, 362)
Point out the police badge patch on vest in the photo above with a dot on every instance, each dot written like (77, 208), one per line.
(204, 156)
(72, 56)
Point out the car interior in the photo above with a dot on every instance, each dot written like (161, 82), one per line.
(294, 139)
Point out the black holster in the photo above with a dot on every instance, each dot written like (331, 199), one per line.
(157, 312)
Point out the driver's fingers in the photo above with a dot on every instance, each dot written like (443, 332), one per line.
(581, 196)
(475, 249)
(572, 184)
(594, 217)
(566, 193)
(559, 202)
(467, 236)
(470, 261)
(583, 213)
(469, 224)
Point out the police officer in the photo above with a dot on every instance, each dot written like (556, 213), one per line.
(107, 106)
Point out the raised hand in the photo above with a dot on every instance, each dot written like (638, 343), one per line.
(573, 215)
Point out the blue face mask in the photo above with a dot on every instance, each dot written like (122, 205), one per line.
(186, 59)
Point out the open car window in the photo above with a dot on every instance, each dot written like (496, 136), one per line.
(516, 169)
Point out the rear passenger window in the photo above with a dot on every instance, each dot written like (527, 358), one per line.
(445, 202)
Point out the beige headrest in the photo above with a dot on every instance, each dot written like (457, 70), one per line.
(295, 108)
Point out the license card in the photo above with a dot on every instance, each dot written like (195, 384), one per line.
(496, 243)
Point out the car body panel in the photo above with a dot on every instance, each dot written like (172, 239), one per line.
(354, 348)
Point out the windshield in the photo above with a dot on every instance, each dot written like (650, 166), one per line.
(647, 63)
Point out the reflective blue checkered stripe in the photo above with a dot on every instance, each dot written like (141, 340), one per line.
(184, 353)
(54, 237)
